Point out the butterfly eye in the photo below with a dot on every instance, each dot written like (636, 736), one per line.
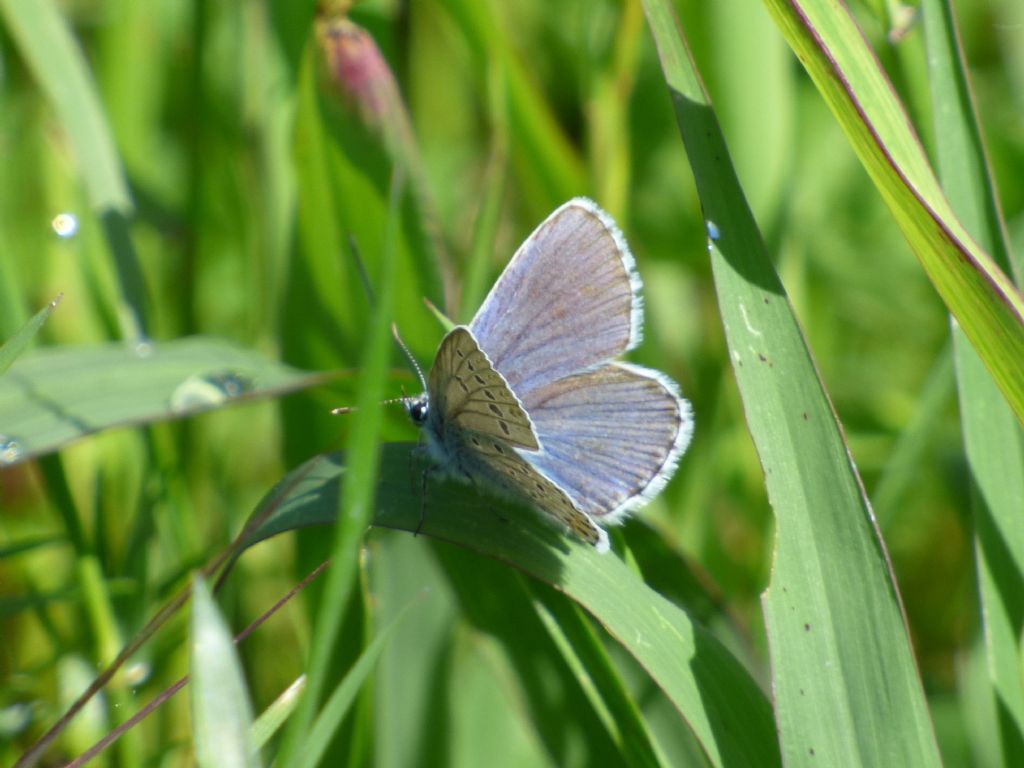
(418, 410)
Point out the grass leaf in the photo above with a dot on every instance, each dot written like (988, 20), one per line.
(56, 395)
(839, 646)
(993, 438)
(15, 345)
(978, 293)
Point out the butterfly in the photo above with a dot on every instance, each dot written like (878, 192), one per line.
(529, 399)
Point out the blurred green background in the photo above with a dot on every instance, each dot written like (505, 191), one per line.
(249, 166)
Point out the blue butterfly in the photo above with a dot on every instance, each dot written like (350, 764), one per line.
(529, 399)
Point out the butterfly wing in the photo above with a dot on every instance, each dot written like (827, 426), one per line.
(611, 436)
(469, 395)
(568, 300)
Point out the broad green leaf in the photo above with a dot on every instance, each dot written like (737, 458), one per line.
(993, 438)
(14, 346)
(979, 295)
(716, 697)
(52, 396)
(845, 683)
(221, 712)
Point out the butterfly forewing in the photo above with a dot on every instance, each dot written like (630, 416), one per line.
(567, 301)
(471, 396)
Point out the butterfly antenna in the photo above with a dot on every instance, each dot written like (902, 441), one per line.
(409, 357)
(351, 408)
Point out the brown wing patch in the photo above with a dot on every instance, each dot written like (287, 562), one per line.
(473, 396)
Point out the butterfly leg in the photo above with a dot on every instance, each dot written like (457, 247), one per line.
(423, 500)
(415, 456)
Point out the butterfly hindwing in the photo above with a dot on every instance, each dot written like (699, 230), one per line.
(611, 436)
(470, 395)
(504, 469)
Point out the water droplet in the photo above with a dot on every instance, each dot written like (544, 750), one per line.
(143, 349)
(65, 225)
(713, 233)
(231, 383)
(207, 391)
(136, 673)
(10, 451)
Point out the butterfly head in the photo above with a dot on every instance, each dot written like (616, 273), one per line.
(418, 409)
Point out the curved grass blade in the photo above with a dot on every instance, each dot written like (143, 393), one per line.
(717, 698)
(845, 683)
(53, 396)
(978, 294)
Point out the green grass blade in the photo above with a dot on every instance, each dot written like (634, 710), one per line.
(49, 47)
(273, 717)
(845, 683)
(354, 505)
(411, 686)
(542, 686)
(55, 58)
(15, 345)
(590, 663)
(340, 700)
(55, 395)
(221, 712)
(978, 294)
(548, 165)
(716, 697)
(993, 438)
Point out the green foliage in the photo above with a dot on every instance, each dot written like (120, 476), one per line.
(259, 192)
